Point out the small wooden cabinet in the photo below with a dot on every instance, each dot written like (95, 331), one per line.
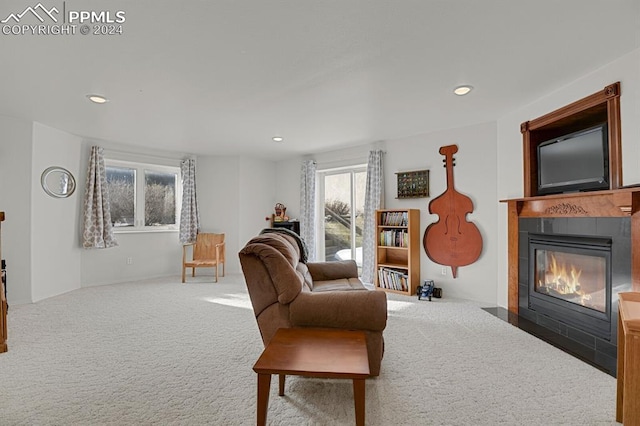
(3, 305)
(628, 394)
(398, 250)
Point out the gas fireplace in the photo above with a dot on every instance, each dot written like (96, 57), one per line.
(570, 280)
(570, 273)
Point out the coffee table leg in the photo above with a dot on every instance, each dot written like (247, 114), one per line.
(358, 398)
(281, 387)
(264, 384)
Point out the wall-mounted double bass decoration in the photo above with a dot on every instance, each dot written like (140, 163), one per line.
(452, 240)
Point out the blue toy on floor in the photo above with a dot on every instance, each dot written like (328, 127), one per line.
(426, 290)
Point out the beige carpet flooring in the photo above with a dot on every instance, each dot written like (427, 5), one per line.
(158, 352)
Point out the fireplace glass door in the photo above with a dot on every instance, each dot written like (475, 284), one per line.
(573, 277)
(570, 280)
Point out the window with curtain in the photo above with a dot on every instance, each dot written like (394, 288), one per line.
(144, 197)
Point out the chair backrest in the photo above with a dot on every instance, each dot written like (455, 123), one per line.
(205, 247)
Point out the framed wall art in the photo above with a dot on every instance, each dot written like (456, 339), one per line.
(414, 184)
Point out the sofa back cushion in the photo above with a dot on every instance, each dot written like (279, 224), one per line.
(333, 270)
(281, 244)
(261, 290)
(280, 260)
(303, 270)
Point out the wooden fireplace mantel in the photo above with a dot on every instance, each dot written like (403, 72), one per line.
(621, 202)
(600, 107)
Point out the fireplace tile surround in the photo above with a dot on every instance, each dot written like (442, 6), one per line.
(619, 231)
(613, 214)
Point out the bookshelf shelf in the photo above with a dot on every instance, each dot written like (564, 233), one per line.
(397, 250)
(393, 265)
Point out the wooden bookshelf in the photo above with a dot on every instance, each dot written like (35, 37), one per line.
(398, 250)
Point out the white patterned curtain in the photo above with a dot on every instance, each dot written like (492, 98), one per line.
(373, 200)
(189, 217)
(97, 230)
(308, 206)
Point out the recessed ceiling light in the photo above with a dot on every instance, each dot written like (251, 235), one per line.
(462, 90)
(97, 99)
(278, 138)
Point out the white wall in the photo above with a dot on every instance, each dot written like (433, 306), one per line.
(42, 234)
(218, 190)
(257, 181)
(510, 176)
(475, 176)
(15, 201)
(287, 188)
(55, 252)
(154, 254)
(235, 194)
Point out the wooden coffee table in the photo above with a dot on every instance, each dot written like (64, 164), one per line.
(310, 352)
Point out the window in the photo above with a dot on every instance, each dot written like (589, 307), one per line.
(143, 197)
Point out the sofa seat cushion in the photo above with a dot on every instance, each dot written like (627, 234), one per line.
(342, 284)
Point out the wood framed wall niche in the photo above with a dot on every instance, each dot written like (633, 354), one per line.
(602, 106)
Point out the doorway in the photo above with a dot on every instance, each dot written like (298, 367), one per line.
(341, 205)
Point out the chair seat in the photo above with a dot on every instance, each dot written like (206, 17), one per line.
(202, 263)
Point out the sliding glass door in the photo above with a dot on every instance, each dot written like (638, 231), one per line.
(342, 207)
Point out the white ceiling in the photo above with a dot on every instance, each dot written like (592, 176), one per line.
(223, 77)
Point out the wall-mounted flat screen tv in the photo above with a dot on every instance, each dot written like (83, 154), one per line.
(575, 162)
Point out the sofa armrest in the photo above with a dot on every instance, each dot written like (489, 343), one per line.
(334, 270)
(357, 310)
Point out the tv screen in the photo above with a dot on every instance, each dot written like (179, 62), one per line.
(575, 162)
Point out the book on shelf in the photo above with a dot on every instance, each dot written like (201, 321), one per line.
(395, 219)
(393, 279)
(394, 238)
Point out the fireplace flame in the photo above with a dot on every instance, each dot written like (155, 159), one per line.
(564, 280)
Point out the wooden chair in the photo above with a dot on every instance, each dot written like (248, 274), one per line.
(207, 252)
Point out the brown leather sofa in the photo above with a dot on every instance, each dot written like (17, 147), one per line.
(286, 292)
